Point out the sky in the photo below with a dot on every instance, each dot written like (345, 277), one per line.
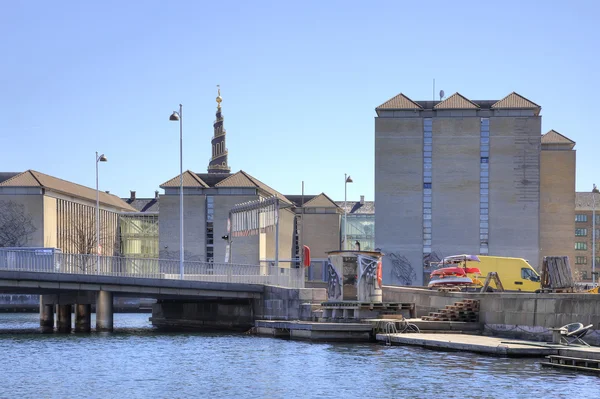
(299, 81)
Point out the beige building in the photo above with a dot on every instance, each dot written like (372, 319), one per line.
(56, 213)
(465, 176)
(208, 199)
(557, 196)
(319, 224)
(585, 203)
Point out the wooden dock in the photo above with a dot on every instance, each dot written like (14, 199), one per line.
(470, 343)
(573, 363)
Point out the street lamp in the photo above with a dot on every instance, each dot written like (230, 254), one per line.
(178, 116)
(347, 179)
(594, 192)
(99, 158)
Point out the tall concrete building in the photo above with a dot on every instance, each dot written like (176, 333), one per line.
(456, 176)
(557, 196)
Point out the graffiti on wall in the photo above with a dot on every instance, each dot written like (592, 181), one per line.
(402, 269)
(430, 260)
(334, 288)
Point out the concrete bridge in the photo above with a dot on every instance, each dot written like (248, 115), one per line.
(217, 295)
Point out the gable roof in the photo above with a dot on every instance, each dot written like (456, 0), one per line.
(298, 200)
(7, 175)
(554, 137)
(456, 101)
(320, 201)
(358, 208)
(515, 100)
(189, 180)
(243, 179)
(400, 102)
(32, 178)
(143, 204)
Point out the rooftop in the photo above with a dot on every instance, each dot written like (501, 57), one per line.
(456, 101)
(584, 201)
(32, 178)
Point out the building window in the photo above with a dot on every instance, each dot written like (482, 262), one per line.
(427, 185)
(484, 153)
(580, 232)
(581, 246)
(210, 239)
(581, 260)
(584, 274)
(581, 217)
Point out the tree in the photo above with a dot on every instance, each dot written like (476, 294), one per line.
(16, 226)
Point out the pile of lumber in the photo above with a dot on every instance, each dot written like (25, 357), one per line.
(556, 274)
(466, 310)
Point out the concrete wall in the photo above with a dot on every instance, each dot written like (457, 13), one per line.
(399, 198)
(34, 207)
(557, 214)
(455, 186)
(244, 249)
(321, 233)
(50, 222)
(524, 315)
(286, 237)
(514, 166)
(194, 224)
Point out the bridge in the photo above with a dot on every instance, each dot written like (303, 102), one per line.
(213, 290)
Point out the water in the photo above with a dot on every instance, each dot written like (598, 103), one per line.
(137, 362)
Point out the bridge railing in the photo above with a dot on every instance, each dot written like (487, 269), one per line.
(56, 262)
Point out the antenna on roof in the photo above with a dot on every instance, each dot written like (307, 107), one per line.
(442, 94)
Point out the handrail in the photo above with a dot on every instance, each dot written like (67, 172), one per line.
(57, 262)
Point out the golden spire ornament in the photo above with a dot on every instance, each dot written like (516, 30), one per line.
(219, 99)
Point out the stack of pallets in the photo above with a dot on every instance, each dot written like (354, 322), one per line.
(466, 310)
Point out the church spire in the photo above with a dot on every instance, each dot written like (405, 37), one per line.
(218, 161)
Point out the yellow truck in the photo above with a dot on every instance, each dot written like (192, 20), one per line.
(515, 273)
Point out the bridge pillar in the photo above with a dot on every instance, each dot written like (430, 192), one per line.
(104, 311)
(46, 317)
(64, 318)
(83, 321)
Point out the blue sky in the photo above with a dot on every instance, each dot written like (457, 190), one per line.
(300, 81)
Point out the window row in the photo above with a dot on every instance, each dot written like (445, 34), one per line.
(581, 246)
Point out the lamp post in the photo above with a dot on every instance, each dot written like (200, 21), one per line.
(99, 158)
(347, 179)
(178, 116)
(594, 192)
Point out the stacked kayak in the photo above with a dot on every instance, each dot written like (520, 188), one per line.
(454, 275)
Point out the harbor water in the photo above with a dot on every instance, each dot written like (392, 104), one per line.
(136, 361)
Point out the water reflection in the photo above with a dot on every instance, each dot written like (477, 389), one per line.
(138, 362)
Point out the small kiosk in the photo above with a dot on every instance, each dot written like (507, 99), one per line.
(354, 288)
(354, 276)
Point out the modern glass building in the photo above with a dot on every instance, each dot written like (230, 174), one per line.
(360, 225)
(139, 234)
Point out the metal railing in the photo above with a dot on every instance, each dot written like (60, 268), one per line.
(317, 271)
(56, 262)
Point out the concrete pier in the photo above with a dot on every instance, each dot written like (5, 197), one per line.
(64, 318)
(83, 320)
(46, 317)
(104, 311)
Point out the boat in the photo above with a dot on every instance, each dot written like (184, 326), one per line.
(455, 274)
(441, 281)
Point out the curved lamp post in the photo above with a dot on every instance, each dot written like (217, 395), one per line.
(99, 158)
(347, 179)
(178, 116)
